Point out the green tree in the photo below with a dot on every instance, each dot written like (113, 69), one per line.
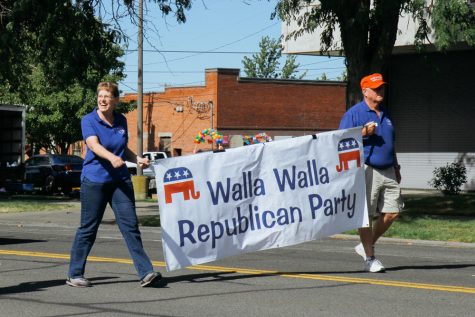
(54, 115)
(265, 64)
(343, 76)
(368, 29)
(54, 53)
(63, 38)
(322, 77)
(66, 38)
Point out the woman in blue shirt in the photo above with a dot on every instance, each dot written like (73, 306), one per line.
(105, 179)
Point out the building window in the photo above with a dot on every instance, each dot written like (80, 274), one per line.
(165, 144)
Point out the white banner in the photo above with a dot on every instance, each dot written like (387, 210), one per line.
(262, 196)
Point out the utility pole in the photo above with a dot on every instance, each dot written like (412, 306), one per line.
(140, 88)
(210, 104)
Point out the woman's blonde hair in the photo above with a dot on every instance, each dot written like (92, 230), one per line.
(111, 87)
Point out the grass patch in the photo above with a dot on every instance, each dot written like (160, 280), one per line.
(435, 217)
(457, 205)
(22, 203)
(430, 227)
(425, 216)
(149, 221)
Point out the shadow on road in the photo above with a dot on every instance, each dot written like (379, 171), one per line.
(6, 241)
(429, 267)
(158, 284)
(41, 285)
(225, 276)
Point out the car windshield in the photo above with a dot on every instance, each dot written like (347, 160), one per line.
(67, 159)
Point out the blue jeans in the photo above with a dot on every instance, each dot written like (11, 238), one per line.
(94, 199)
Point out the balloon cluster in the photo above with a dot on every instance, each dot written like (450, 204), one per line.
(209, 135)
(258, 138)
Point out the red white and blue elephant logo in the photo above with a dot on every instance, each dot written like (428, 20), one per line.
(179, 180)
(348, 150)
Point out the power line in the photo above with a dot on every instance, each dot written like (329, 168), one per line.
(195, 52)
(167, 83)
(161, 85)
(159, 96)
(202, 72)
(324, 68)
(122, 83)
(168, 71)
(322, 62)
(216, 48)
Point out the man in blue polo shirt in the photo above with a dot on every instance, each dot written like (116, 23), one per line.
(381, 167)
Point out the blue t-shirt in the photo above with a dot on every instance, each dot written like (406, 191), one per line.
(379, 147)
(114, 138)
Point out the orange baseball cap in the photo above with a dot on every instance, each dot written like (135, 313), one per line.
(372, 81)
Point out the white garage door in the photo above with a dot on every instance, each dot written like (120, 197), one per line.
(432, 101)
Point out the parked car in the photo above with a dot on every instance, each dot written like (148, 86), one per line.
(153, 157)
(54, 173)
(149, 171)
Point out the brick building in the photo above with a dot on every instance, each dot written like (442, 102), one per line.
(235, 107)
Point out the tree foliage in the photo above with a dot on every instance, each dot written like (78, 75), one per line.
(57, 52)
(322, 77)
(368, 29)
(53, 55)
(66, 38)
(266, 63)
(178, 7)
(54, 116)
(453, 22)
(62, 38)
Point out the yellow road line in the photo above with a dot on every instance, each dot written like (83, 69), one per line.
(333, 278)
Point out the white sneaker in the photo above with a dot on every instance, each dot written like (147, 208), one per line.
(360, 250)
(78, 282)
(374, 266)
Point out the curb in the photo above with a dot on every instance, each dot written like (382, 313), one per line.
(448, 244)
(57, 215)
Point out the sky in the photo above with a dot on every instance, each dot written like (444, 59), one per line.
(217, 34)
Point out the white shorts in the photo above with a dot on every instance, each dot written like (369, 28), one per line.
(383, 193)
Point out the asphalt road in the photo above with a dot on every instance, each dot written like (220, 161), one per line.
(318, 278)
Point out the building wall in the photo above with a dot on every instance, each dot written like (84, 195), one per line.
(309, 42)
(240, 106)
(170, 114)
(288, 105)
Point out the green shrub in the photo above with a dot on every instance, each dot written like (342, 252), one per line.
(449, 178)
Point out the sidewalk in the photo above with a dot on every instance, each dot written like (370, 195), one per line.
(68, 218)
(428, 192)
